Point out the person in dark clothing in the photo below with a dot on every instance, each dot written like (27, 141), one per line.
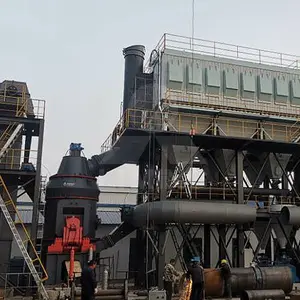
(88, 281)
(195, 271)
(226, 275)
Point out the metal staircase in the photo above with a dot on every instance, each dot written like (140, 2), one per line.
(5, 203)
(40, 228)
(9, 136)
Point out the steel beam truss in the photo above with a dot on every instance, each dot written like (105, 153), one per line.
(160, 178)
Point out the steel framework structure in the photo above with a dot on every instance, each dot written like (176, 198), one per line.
(161, 177)
(21, 140)
(247, 154)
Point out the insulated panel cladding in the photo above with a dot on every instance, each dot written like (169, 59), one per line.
(203, 79)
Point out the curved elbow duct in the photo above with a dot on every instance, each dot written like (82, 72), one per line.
(105, 162)
(162, 212)
(290, 215)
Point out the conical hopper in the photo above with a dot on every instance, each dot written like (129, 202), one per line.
(259, 229)
(226, 161)
(282, 241)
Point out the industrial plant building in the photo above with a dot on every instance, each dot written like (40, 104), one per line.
(214, 130)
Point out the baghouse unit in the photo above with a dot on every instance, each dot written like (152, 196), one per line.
(187, 110)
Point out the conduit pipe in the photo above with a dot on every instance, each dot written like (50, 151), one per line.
(174, 211)
(290, 215)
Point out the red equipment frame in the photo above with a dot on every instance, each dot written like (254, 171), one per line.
(72, 241)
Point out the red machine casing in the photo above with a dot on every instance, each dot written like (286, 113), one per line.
(72, 239)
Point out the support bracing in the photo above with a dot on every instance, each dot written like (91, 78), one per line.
(240, 200)
(238, 176)
(207, 246)
(162, 229)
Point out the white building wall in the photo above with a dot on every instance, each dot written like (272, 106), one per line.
(117, 195)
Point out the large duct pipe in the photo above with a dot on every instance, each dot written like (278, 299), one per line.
(249, 279)
(213, 283)
(290, 215)
(134, 61)
(174, 211)
(263, 294)
(262, 279)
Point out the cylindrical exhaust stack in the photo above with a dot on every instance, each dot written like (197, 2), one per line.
(134, 63)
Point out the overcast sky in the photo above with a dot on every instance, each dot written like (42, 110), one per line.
(70, 54)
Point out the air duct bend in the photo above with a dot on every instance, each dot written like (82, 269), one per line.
(186, 211)
(290, 215)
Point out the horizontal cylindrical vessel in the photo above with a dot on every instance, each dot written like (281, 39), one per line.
(290, 215)
(213, 283)
(249, 279)
(261, 279)
(174, 211)
(263, 294)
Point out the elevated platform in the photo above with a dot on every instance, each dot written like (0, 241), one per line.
(211, 74)
(132, 143)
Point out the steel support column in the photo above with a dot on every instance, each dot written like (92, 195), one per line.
(222, 241)
(37, 186)
(207, 247)
(140, 264)
(240, 200)
(296, 183)
(162, 230)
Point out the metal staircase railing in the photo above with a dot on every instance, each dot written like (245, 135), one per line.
(5, 202)
(296, 133)
(40, 228)
(9, 136)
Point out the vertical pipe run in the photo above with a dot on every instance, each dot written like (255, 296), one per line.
(105, 278)
(91, 253)
(71, 268)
